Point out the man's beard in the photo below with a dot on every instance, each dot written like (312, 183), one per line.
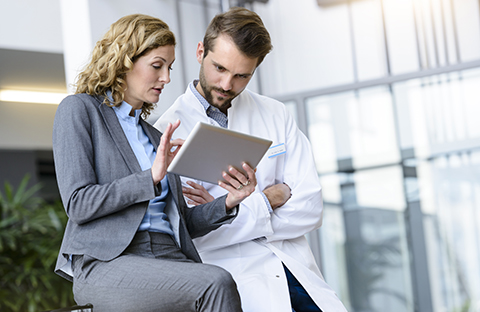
(208, 91)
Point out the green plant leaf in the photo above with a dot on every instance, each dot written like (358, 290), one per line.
(31, 231)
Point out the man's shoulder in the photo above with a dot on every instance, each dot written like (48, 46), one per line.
(259, 96)
(263, 101)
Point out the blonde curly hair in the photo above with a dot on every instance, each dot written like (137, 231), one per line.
(113, 56)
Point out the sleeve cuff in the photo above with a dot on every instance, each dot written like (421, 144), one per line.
(267, 202)
(233, 212)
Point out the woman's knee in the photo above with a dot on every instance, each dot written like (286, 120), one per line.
(221, 277)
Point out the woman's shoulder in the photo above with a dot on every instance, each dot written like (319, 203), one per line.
(81, 101)
(82, 97)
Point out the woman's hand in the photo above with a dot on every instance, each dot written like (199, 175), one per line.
(197, 194)
(165, 154)
(238, 185)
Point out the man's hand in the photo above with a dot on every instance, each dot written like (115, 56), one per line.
(238, 185)
(278, 194)
(197, 194)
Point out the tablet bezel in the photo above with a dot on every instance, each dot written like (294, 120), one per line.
(208, 150)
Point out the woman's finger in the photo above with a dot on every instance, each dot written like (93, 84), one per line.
(177, 142)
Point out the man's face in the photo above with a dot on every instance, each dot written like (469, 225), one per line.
(224, 72)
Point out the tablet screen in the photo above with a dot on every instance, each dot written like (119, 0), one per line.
(209, 150)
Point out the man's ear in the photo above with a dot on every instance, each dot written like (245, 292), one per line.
(200, 51)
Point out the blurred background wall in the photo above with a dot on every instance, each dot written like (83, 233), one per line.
(387, 91)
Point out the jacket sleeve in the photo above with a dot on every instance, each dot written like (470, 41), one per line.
(253, 221)
(77, 124)
(205, 218)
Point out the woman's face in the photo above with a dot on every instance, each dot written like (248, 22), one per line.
(149, 75)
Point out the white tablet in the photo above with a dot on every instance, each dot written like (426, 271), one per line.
(208, 150)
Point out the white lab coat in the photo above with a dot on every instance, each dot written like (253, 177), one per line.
(253, 247)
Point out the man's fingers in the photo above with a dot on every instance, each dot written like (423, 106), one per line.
(250, 172)
(239, 177)
(197, 193)
(195, 185)
(233, 180)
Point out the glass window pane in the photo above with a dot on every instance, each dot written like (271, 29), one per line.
(439, 114)
(310, 52)
(380, 188)
(452, 229)
(356, 126)
(468, 29)
(372, 128)
(450, 34)
(401, 38)
(333, 240)
(323, 132)
(377, 254)
(369, 39)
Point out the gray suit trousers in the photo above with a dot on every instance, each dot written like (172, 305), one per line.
(153, 275)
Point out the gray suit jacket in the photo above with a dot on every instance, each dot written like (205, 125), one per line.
(105, 192)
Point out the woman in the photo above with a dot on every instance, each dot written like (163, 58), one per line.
(128, 241)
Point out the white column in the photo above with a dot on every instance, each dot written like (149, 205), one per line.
(84, 22)
(77, 38)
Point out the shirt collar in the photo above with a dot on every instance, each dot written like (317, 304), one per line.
(211, 111)
(123, 111)
(197, 94)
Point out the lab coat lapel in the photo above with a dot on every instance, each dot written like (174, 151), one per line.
(243, 106)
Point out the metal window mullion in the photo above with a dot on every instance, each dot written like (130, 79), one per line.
(381, 81)
(455, 32)
(182, 48)
(434, 34)
(385, 37)
(417, 37)
(444, 30)
(302, 119)
(352, 40)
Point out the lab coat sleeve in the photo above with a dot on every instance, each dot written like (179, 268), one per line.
(299, 216)
(304, 210)
(252, 221)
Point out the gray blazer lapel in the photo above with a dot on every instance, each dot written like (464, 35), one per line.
(118, 136)
(154, 136)
(176, 216)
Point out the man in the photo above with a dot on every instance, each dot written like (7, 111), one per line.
(265, 248)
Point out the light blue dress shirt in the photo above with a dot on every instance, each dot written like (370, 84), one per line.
(155, 219)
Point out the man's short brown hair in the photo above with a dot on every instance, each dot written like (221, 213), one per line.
(245, 28)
